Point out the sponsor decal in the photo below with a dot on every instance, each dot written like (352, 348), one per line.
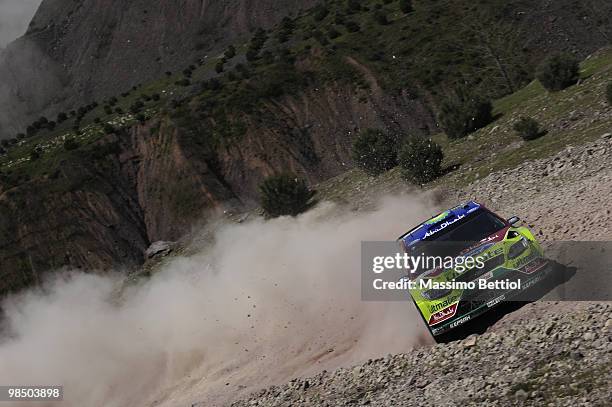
(444, 225)
(518, 263)
(460, 321)
(486, 276)
(438, 218)
(534, 266)
(443, 304)
(533, 281)
(496, 301)
(443, 315)
(474, 250)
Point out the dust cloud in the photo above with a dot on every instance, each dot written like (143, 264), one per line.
(266, 301)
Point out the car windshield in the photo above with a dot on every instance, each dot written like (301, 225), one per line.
(461, 235)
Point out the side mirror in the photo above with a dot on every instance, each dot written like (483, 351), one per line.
(514, 220)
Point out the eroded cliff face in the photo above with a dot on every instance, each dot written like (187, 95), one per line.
(150, 182)
(100, 48)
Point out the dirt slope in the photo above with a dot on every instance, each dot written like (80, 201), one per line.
(544, 353)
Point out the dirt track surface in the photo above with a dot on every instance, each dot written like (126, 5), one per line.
(543, 353)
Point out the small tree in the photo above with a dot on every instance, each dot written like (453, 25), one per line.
(420, 160)
(320, 12)
(375, 151)
(141, 118)
(230, 52)
(219, 67)
(463, 113)
(333, 33)
(558, 72)
(108, 128)
(381, 18)
(34, 155)
(353, 6)
(406, 6)
(527, 128)
(70, 144)
(285, 194)
(251, 54)
(352, 26)
(609, 93)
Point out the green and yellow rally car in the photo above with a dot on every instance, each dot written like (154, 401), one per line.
(506, 260)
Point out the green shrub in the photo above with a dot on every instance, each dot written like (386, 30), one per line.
(375, 151)
(108, 128)
(352, 26)
(320, 12)
(141, 118)
(230, 52)
(285, 194)
(71, 144)
(420, 160)
(183, 82)
(609, 93)
(136, 107)
(463, 113)
(353, 6)
(381, 18)
(559, 71)
(406, 6)
(34, 154)
(527, 128)
(251, 54)
(333, 33)
(62, 117)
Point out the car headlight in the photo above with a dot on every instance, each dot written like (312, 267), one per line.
(518, 248)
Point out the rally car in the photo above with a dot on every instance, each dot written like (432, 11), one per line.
(505, 252)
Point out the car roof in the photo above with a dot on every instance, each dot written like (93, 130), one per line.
(436, 223)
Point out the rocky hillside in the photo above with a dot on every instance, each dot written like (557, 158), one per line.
(563, 362)
(75, 52)
(142, 164)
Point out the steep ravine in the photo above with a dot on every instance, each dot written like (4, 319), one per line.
(152, 182)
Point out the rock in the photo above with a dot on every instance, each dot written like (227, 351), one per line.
(160, 249)
(588, 336)
(470, 341)
(422, 382)
(521, 394)
(576, 355)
